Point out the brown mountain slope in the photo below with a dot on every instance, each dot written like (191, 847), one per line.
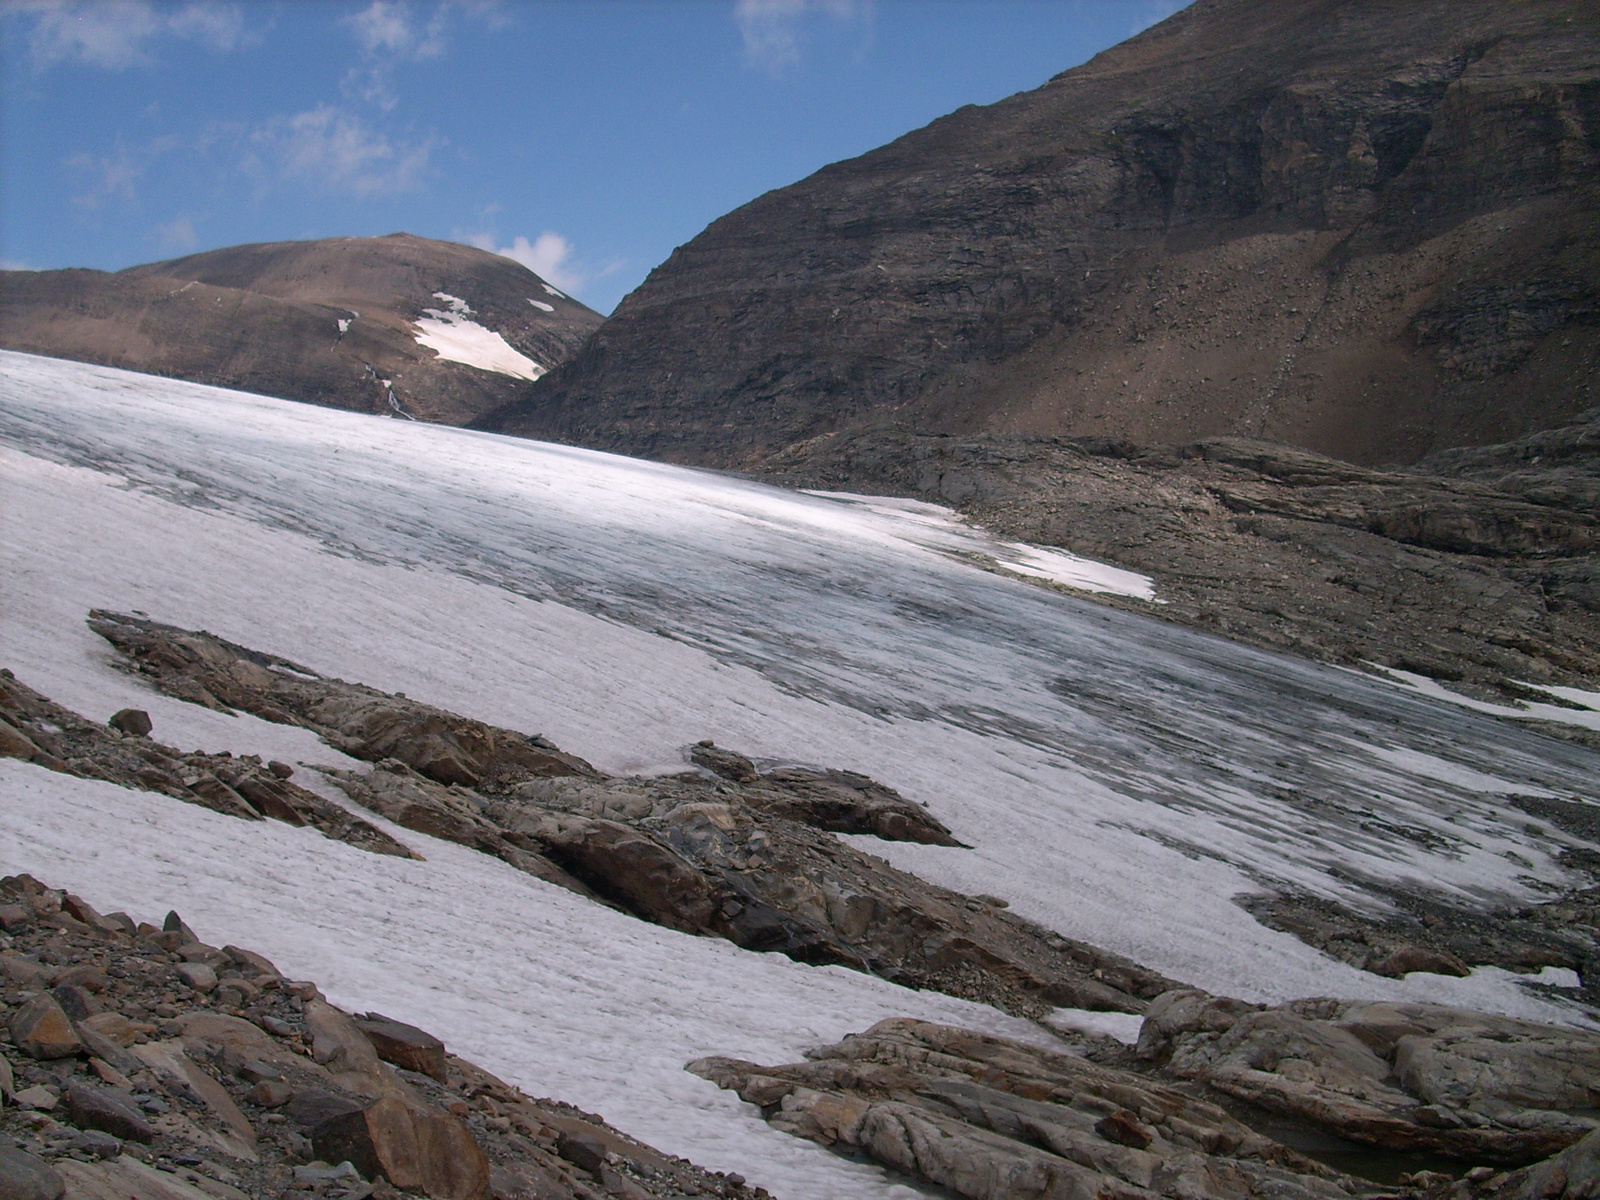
(280, 318)
(1370, 228)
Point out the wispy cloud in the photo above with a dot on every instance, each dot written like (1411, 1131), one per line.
(385, 28)
(176, 234)
(114, 176)
(389, 34)
(117, 34)
(775, 31)
(341, 153)
(549, 256)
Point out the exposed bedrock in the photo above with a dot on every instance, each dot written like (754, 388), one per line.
(991, 1118)
(36, 729)
(1402, 1076)
(725, 851)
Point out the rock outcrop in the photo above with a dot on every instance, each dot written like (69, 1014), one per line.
(994, 1119)
(260, 1088)
(1365, 229)
(1402, 1076)
(332, 322)
(358, 720)
(732, 853)
(38, 730)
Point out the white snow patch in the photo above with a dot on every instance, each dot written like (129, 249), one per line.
(1415, 762)
(1587, 717)
(1069, 570)
(454, 336)
(1122, 1026)
(344, 324)
(943, 530)
(553, 291)
(540, 304)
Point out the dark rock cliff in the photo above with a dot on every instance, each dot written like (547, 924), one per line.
(1364, 227)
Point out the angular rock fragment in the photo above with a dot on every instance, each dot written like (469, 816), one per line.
(404, 1045)
(415, 1147)
(95, 1108)
(24, 1176)
(133, 721)
(41, 1029)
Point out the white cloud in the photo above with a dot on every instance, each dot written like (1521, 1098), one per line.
(343, 154)
(176, 234)
(774, 30)
(385, 29)
(117, 34)
(11, 264)
(548, 256)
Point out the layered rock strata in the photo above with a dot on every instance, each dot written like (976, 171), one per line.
(991, 1118)
(1366, 229)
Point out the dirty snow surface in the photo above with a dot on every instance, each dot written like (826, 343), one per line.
(454, 335)
(1119, 779)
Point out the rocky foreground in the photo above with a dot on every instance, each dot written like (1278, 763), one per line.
(141, 1063)
(145, 1064)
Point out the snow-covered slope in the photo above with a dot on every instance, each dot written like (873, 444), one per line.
(1119, 779)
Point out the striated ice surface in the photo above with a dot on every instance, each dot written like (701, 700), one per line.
(1118, 778)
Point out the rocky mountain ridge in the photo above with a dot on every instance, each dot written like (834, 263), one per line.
(1364, 229)
(352, 323)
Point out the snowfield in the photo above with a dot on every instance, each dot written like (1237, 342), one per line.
(452, 334)
(1120, 779)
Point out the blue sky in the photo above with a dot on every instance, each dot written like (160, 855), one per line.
(585, 137)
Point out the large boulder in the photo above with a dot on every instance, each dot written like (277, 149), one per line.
(1421, 1077)
(416, 1147)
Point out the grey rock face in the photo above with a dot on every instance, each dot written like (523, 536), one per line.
(994, 1119)
(1402, 1076)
